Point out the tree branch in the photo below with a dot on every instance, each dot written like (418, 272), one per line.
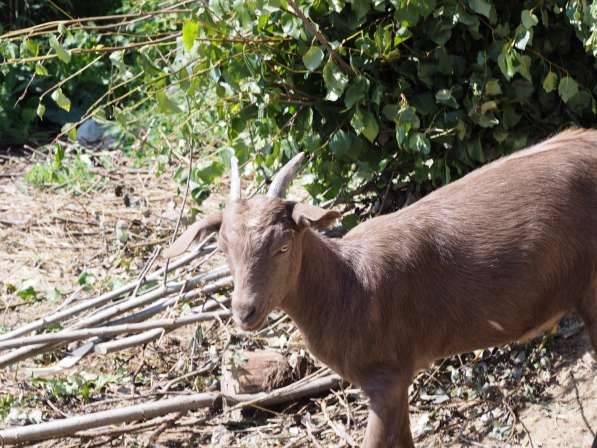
(70, 426)
(321, 38)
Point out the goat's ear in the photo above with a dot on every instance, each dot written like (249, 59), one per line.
(305, 215)
(196, 232)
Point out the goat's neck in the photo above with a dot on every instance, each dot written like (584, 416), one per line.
(324, 268)
(328, 291)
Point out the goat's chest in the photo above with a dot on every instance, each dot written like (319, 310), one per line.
(346, 356)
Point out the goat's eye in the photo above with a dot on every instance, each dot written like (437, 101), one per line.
(283, 249)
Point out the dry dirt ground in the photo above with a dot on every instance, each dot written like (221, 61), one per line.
(541, 395)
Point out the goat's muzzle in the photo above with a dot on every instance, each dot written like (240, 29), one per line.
(248, 316)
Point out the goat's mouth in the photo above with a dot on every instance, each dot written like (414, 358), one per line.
(254, 321)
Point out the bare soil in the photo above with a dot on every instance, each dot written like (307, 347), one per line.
(52, 236)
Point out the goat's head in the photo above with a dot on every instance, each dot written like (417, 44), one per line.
(262, 238)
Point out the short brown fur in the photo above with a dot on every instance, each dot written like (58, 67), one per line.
(489, 259)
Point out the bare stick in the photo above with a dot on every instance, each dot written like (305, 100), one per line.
(104, 298)
(146, 268)
(70, 426)
(131, 341)
(77, 335)
(184, 201)
(216, 275)
(97, 318)
(209, 289)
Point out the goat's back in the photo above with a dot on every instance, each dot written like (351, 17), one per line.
(493, 256)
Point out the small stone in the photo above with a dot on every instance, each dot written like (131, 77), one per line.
(221, 436)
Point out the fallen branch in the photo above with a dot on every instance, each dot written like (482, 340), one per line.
(114, 330)
(102, 299)
(70, 426)
(165, 303)
(131, 341)
(126, 428)
(102, 316)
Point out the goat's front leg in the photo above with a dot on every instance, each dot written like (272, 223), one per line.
(388, 424)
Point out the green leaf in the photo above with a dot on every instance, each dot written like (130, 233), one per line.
(407, 116)
(550, 82)
(493, 88)
(70, 129)
(58, 156)
(444, 96)
(190, 29)
(568, 88)
(377, 94)
(424, 103)
(506, 61)
(390, 111)
(475, 150)
(29, 47)
(166, 105)
(41, 110)
(482, 7)
(338, 5)
(40, 70)
(418, 142)
(581, 101)
(340, 144)
(366, 124)
(440, 32)
(524, 66)
(407, 13)
(528, 19)
(485, 120)
(523, 38)
(488, 106)
(61, 99)
(313, 58)
(117, 58)
(356, 91)
(208, 171)
(61, 53)
(360, 7)
(335, 81)
(27, 290)
(84, 278)
(523, 90)
(350, 221)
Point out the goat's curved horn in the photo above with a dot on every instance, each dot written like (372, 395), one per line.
(234, 179)
(278, 187)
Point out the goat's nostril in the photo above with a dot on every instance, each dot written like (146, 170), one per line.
(248, 313)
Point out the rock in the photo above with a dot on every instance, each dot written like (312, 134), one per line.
(96, 135)
(221, 436)
(245, 372)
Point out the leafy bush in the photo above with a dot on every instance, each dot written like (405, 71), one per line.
(22, 84)
(412, 90)
(384, 93)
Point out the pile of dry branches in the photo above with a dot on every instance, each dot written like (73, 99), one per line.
(121, 319)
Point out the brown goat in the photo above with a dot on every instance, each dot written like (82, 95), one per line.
(497, 256)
